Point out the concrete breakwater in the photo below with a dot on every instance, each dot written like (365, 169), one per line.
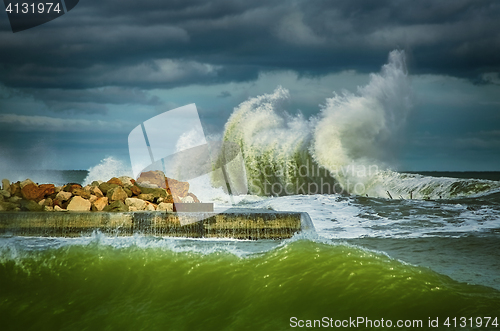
(233, 223)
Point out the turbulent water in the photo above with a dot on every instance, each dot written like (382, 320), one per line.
(405, 248)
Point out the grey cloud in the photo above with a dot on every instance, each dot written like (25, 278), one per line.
(150, 44)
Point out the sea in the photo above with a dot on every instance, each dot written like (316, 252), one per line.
(390, 251)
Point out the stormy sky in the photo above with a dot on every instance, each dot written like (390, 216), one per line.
(72, 89)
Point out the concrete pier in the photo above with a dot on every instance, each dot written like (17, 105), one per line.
(233, 223)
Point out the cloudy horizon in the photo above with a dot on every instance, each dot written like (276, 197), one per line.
(72, 89)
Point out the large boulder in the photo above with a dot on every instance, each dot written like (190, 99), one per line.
(78, 191)
(77, 203)
(115, 180)
(147, 197)
(117, 206)
(176, 187)
(63, 196)
(136, 203)
(30, 205)
(117, 193)
(71, 186)
(99, 204)
(35, 192)
(152, 177)
(105, 187)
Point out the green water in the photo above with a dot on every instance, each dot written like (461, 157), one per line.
(100, 287)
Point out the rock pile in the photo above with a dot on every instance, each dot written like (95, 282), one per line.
(151, 191)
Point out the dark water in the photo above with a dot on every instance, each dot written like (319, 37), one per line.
(161, 287)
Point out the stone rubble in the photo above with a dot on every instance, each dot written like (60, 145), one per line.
(152, 191)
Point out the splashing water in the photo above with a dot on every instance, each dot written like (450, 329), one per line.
(108, 168)
(345, 149)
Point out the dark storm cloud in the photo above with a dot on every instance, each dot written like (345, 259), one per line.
(151, 44)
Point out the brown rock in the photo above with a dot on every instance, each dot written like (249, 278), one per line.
(32, 192)
(96, 191)
(81, 193)
(116, 194)
(116, 181)
(99, 204)
(63, 196)
(77, 203)
(92, 198)
(176, 187)
(71, 186)
(135, 190)
(49, 189)
(153, 177)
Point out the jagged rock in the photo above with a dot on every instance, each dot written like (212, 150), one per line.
(26, 182)
(32, 192)
(127, 181)
(77, 203)
(81, 192)
(176, 187)
(57, 208)
(194, 197)
(99, 204)
(6, 185)
(63, 196)
(5, 193)
(58, 189)
(92, 198)
(136, 190)
(136, 203)
(147, 197)
(152, 177)
(71, 186)
(105, 187)
(30, 205)
(165, 206)
(117, 193)
(117, 206)
(96, 191)
(7, 206)
(116, 181)
(129, 192)
(156, 192)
